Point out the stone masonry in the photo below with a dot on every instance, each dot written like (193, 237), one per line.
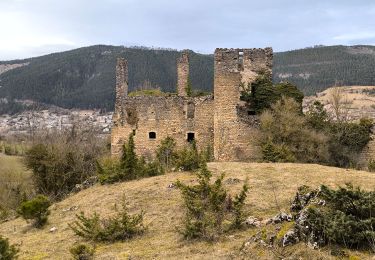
(182, 73)
(217, 121)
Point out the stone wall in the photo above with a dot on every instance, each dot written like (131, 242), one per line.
(172, 116)
(182, 73)
(235, 140)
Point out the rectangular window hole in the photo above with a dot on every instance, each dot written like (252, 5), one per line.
(251, 113)
(190, 137)
(152, 135)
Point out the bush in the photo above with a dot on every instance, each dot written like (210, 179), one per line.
(36, 209)
(208, 207)
(371, 166)
(121, 227)
(61, 160)
(261, 94)
(188, 159)
(82, 252)
(166, 153)
(286, 136)
(346, 219)
(129, 167)
(7, 252)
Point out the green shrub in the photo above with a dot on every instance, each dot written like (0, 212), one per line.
(166, 153)
(371, 166)
(286, 136)
(36, 209)
(7, 252)
(208, 207)
(276, 153)
(261, 94)
(188, 159)
(122, 226)
(346, 219)
(128, 167)
(82, 252)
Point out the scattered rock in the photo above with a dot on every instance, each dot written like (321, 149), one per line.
(291, 237)
(281, 217)
(73, 208)
(53, 229)
(252, 222)
(86, 184)
(232, 181)
(171, 186)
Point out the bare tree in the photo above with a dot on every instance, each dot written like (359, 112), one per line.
(339, 102)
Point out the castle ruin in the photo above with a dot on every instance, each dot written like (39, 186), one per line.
(220, 121)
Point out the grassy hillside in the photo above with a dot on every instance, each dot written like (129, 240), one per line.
(85, 77)
(271, 186)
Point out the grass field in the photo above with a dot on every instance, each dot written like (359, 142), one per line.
(272, 186)
(14, 180)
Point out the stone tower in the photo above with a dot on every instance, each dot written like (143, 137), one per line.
(234, 139)
(121, 90)
(182, 73)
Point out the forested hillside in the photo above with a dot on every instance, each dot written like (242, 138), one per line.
(315, 69)
(85, 77)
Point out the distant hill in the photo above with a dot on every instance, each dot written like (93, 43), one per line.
(315, 69)
(85, 77)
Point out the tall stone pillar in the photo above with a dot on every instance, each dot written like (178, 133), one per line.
(121, 89)
(234, 139)
(182, 73)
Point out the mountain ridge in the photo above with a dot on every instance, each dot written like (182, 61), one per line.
(85, 77)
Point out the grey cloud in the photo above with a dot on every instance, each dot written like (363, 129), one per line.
(200, 25)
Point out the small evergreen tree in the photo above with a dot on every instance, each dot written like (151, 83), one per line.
(208, 206)
(129, 160)
(165, 153)
(121, 227)
(7, 251)
(82, 252)
(36, 209)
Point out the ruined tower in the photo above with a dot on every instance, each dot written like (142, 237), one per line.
(121, 94)
(234, 139)
(182, 73)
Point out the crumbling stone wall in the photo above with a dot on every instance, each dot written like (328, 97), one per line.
(235, 139)
(164, 116)
(182, 73)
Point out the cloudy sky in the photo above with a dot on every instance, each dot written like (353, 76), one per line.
(35, 27)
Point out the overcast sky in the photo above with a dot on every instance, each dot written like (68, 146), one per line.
(35, 27)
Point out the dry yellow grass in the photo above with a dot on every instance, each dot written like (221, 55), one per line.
(268, 182)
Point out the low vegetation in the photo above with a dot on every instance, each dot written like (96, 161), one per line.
(210, 211)
(289, 136)
(36, 209)
(341, 217)
(128, 167)
(15, 185)
(7, 251)
(120, 227)
(82, 252)
(60, 160)
(262, 93)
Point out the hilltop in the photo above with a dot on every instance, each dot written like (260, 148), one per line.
(85, 78)
(271, 186)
